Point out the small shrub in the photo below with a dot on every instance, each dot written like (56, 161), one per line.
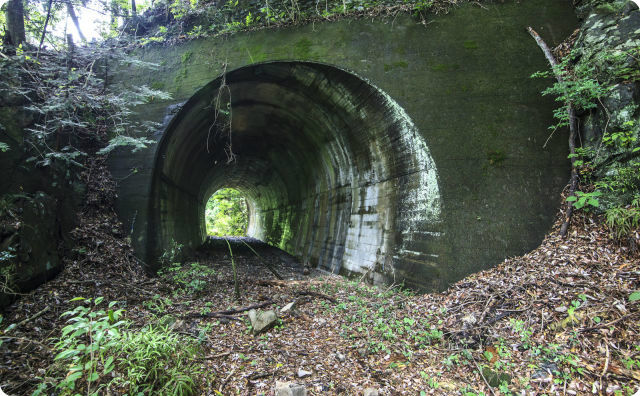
(172, 254)
(622, 220)
(189, 278)
(98, 354)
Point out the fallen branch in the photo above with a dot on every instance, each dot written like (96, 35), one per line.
(285, 283)
(27, 340)
(212, 315)
(316, 294)
(228, 312)
(603, 325)
(573, 127)
(29, 319)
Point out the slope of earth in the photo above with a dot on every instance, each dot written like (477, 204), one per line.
(562, 319)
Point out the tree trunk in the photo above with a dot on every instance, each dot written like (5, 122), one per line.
(44, 28)
(573, 132)
(15, 22)
(74, 19)
(134, 11)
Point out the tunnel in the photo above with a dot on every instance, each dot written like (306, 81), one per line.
(333, 169)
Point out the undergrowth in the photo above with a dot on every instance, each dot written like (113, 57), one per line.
(608, 167)
(98, 353)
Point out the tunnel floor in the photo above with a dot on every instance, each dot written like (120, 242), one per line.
(251, 257)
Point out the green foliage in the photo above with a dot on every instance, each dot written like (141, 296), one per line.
(156, 361)
(588, 76)
(578, 87)
(97, 354)
(191, 278)
(172, 254)
(621, 139)
(226, 213)
(585, 200)
(85, 346)
(136, 144)
(4, 147)
(421, 6)
(74, 110)
(622, 220)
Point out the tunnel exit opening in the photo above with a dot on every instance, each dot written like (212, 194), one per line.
(227, 213)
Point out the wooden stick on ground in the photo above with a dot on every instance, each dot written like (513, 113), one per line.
(316, 294)
(29, 319)
(573, 130)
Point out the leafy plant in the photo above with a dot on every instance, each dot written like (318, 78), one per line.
(98, 354)
(578, 86)
(585, 200)
(622, 220)
(85, 344)
(189, 278)
(156, 361)
(171, 254)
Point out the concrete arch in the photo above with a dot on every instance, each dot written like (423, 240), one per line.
(334, 169)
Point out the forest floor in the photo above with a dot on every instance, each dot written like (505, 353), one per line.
(562, 319)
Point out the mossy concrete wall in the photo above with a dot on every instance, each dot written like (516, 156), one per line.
(352, 198)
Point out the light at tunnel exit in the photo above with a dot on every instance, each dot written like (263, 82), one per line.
(226, 213)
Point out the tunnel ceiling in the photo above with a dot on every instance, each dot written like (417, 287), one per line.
(334, 170)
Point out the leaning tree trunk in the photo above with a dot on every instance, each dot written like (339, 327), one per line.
(74, 19)
(573, 131)
(15, 22)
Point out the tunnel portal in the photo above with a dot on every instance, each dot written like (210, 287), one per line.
(333, 169)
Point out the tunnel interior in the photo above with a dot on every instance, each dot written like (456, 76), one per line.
(333, 169)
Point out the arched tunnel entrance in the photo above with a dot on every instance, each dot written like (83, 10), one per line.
(333, 169)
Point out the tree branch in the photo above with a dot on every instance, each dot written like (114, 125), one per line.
(573, 130)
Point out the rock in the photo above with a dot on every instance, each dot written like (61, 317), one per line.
(288, 307)
(289, 389)
(341, 358)
(495, 378)
(469, 320)
(262, 320)
(371, 392)
(167, 321)
(303, 373)
(544, 373)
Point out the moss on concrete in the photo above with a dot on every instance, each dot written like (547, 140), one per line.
(463, 80)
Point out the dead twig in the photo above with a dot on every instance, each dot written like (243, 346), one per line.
(28, 340)
(316, 294)
(241, 309)
(483, 378)
(29, 319)
(603, 325)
